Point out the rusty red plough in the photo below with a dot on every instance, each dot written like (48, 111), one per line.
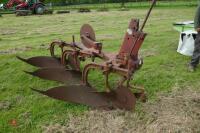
(66, 68)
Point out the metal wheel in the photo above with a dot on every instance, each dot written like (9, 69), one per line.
(39, 9)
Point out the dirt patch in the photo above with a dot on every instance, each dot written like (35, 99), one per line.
(55, 128)
(105, 37)
(148, 53)
(4, 31)
(22, 49)
(43, 46)
(5, 105)
(25, 115)
(178, 111)
(16, 50)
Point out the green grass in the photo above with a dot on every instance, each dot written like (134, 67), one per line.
(161, 72)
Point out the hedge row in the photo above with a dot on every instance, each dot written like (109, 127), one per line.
(70, 2)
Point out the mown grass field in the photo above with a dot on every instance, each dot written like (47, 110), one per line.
(163, 70)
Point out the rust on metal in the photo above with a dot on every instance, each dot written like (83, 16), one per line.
(120, 98)
(69, 68)
(58, 74)
(43, 61)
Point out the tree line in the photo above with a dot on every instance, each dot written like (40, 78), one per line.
(70, 2)
(102, 1)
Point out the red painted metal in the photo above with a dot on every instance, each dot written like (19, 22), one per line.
(11, 3)
(24, 5)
